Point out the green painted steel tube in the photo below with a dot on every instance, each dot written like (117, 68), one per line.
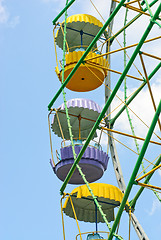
(133, 202)
(148, 7)
(61, 13)
(133, 20)
(146, 142)
(158, 24)
(86, 53)
(150, 12)
(110, 100)
(135, 94)
(135, 171)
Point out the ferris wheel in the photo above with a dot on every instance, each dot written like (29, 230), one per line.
(86, 64)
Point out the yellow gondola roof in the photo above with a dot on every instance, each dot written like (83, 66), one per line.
(84, 18)
(79, 22)
(108, 196)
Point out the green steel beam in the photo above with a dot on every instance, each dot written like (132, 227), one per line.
(133, 20)
(86, 53)
(135, 171)
(158, 24)
(133, 202)
(150, 12)
(134, 95)
(148, 7)
(61, 13)
(110, 99)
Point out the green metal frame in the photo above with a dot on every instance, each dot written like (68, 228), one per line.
(133, 202)
(63, 11)
(112, 121)
(125, 97)
(146, 142)
(150, 12)
(135, 171)
(133, 20)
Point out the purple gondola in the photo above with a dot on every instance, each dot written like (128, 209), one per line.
(83, 114)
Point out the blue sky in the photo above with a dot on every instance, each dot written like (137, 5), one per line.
(30, 199)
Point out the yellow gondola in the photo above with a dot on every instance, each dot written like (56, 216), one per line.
(80, 206)
(89, 76)
(107, 195)
(81, 30)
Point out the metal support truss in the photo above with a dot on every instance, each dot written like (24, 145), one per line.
(137, 165)
(115, 159)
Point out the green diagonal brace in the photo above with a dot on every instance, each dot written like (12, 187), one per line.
(110, 99)
(135, 171)
(61, 13)
(150, 12)
(86, 53)
(133, 202)
(131, 21)
(134, 95)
